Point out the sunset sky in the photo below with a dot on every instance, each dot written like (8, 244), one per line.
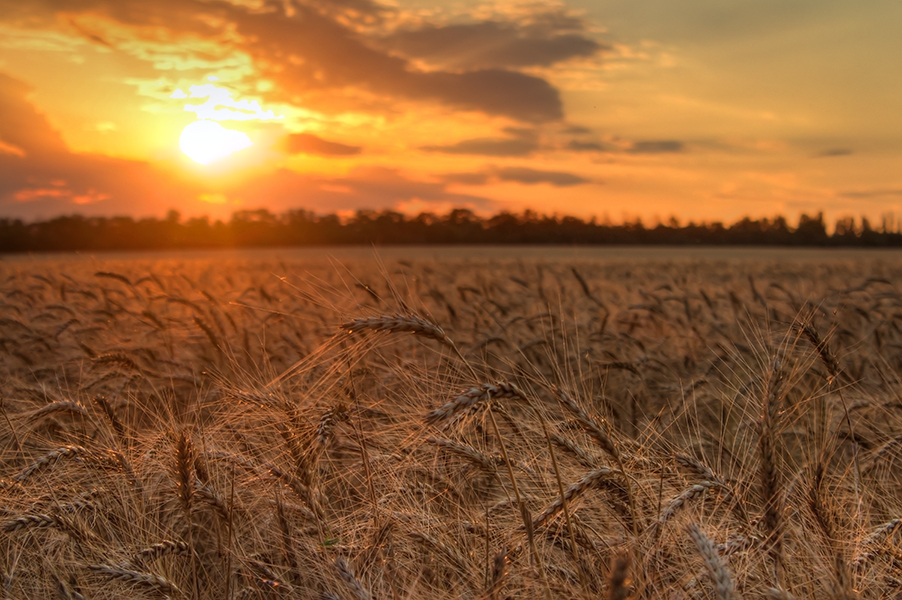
(699, 109)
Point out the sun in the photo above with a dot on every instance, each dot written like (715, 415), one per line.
(206, 141)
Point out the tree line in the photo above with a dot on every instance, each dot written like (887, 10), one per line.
(261, 228)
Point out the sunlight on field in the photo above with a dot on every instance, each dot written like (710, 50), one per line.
(491, 428)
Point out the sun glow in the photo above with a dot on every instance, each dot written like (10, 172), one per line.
(207, 141)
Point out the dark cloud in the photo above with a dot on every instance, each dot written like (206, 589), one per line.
(490, 44)
(319, 48)
(310, 52)
(467, 178)
(307, 143)
(524, 175)
(489, 147)
(876, 193)
(833, 152)
(90, 36)
(532, 176)
(657, 147)
(576, 130)
(581, 146)
(521, 142)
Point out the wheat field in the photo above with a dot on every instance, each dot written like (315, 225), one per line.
(477, 427)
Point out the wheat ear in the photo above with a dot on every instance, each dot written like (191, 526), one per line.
(137, 578)
(717, 568)
(587, 482)
(471, 398)
(399, 324)
(156, 551)
(878, 536)
(347, 576)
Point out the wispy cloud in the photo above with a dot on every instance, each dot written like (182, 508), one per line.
(520, 142)
(831, 152)
(657, 147)
(307, 143)
(584, 146)
(312, 50)
(522, 175)
(42, 177)
(494, 44)
(875, 193)
(234, 110)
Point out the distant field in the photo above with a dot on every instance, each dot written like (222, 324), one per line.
(480, 423)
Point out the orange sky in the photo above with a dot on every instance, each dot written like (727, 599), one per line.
(698, 108)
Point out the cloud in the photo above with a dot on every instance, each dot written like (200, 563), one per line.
(532, 176)
(314, 51)
(44, 178)
(90, 36)
(490, 44)
(576, 130)
(833, 152)
(657, 147)
(581, 146)
(307, 143)
(480, 178)
(875, 193)
(245, 110)
(523, 175)
(522, 142)
(22, 127)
